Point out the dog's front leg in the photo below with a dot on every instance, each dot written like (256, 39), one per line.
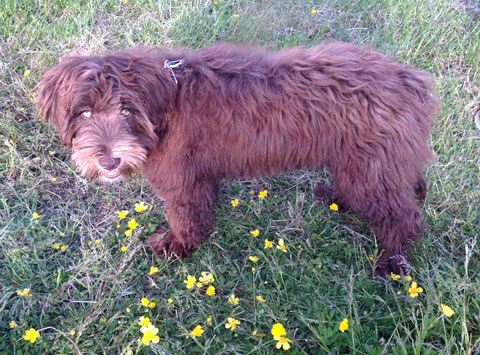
(190, 216)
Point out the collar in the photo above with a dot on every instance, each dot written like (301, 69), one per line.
(172, 64)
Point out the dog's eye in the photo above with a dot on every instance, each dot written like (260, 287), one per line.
(125, 112)
(86, 114)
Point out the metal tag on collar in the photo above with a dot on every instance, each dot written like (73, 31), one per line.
(172, 64)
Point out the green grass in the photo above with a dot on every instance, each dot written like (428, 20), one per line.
(324, 277)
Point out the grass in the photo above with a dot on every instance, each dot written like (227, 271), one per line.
(95, 289)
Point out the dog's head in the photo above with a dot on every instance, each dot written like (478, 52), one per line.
(111, 108)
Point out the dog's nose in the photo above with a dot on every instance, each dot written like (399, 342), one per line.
(109, 163)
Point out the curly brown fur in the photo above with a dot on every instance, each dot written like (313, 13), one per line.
(239, 112)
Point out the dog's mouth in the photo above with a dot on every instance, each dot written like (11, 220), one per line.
(111, 174)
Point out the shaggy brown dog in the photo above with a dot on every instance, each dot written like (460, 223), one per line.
(187, 119)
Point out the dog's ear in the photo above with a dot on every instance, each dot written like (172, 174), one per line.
(54, 96)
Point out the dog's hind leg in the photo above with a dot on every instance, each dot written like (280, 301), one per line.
(420, 188)
(190, 216)
(329, 194)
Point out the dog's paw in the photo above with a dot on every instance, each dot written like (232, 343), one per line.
(397, 264)
(327, 195)
(165, 245)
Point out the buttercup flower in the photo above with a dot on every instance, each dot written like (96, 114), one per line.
(236, 15)
(395, 277)
(447, 310)
(254, 269)
(314, 11)
(61, 234)
(145, 301)
(371, 257)
(123, 249)
(278, 330)
(408, 278)
(132, 223)
(253, 258)
(128, 232)
(268, 244)
(35, 215)
(261, 299)
(283, 342)
(235, 203)
(414, 290)
(31, 335)
(252, 192)
(170, 300)
(343, 325)
(210, 290)
(263, 194)
(144, 321)
(53, 179)
(197, 331)
(190, 281)
(13, 324)
(56, 246)
(26, 73)
(206, 278)
(258, 335)
(97, 241)
(232, 324)
(72, 332)
(334, 207)
(140, 207)
(153, 270)
(281, 245)
(209, 320)
(232, 299)
(64, 247)
(152, 305)
(51, 152)
(255, 233)
(149, 335)
(24, 293)
(122, 214)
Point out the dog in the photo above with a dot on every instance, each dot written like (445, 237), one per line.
(185, 119)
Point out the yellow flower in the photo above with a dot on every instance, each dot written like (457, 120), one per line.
(343, 325)
(283, 342)
(281, 246)
(252, 192)
(64, 247)
(128, 310)
(123, 249)
(268, 244)
(278, 330)
(232, 324)
(20, 9)
(255, 233)
(414, 290)
(253, 258)
(25, 292)
(149, 334)
(232, 299)
(26, 73)
(263, 194)
(261, 299)
(206, 278)
(13, 324)
(53, 179)
(90, 243)
(170, 300)
(56, 246)
(72, 332)
(197, 331)
(153, 270)
(408, 278)
(51, 152)
(334, 207)
(234, 203)
(371, 257)
(395, 277)
(97, 241)
(140, 207)
(122, 214)
(447, 310)
(152, 305)
(254, 269)
(145, 301)
(314, 11)
(60, 234)
(132, 223)
(236, 16)
(144, 321)
(209, 320)
(128, 232)
(35, 215)
(210, 290)
(31, 335)
(190, 281)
